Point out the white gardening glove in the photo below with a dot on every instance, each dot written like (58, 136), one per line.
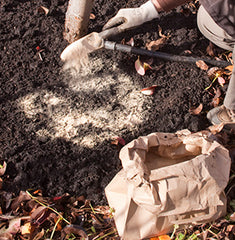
(133, 17)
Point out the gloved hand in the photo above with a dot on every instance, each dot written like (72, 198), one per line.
(132, 17)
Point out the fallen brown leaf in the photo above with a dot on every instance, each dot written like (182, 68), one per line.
(118, 140)
(216, 99)
(39, 235)
(92, 16)
(230, 228)
(161, 34)
(3, 168)
(75, 229)
(210, 49)
(25, 229)
(13, 226)
(141, 67)
(7, 199)
(230, 69)
(23, 196)
(232, 217)
(149, 90)
(213, 71)
(196, 110)
(130, 42)
(202, 65)
(162, 237)
(43, 10)
(221, 81)
(157, 44)
(6, 236)
(39, 215)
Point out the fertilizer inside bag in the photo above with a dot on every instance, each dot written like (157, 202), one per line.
(168, 179)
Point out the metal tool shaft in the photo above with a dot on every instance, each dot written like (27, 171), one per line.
(165, 56)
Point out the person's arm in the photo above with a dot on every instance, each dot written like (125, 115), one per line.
(167, 5)
(132, 17)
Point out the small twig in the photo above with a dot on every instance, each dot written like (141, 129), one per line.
(40, 56)
(93, 210)
(53, 231)
(176, 226)
(216, 76)
(214, 234)
(105, 235)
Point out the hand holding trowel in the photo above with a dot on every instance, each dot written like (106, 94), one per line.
(76, 54)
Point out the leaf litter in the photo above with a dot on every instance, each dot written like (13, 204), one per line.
(32, 216)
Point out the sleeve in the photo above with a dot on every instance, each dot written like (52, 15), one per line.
(167, 5)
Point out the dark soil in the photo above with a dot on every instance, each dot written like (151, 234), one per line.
(56, 130)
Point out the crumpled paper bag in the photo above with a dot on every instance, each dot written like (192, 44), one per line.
(167, 179)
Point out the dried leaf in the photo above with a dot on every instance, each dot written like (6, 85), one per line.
(38, 192)
(43, 10)
(3, 168)
(188, 52)
(13, 227)
(157, 44)
(210, 49)
(230, 69)
(202, 65)
(39, 215)
(7, 197)
(147, 66)
(162, 237)
(212, 72)
(96, 222)
(25, 229)
(141, 68)
(39, 235)
(216, 99)
(131, 42)
(75, 229)
(161, 34)
(221, 81)
(232, 217)
(196, 110)
(149, 90)
(92, 16)
(215, 102)
(6, 236)
(23, 196)
(118, 140)
(230, 228)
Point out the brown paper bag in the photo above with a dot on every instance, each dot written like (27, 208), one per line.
(168, 179)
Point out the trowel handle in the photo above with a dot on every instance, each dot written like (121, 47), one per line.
(109, 32)
(165, 56)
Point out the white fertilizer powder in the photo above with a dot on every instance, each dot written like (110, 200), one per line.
(102, 105)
